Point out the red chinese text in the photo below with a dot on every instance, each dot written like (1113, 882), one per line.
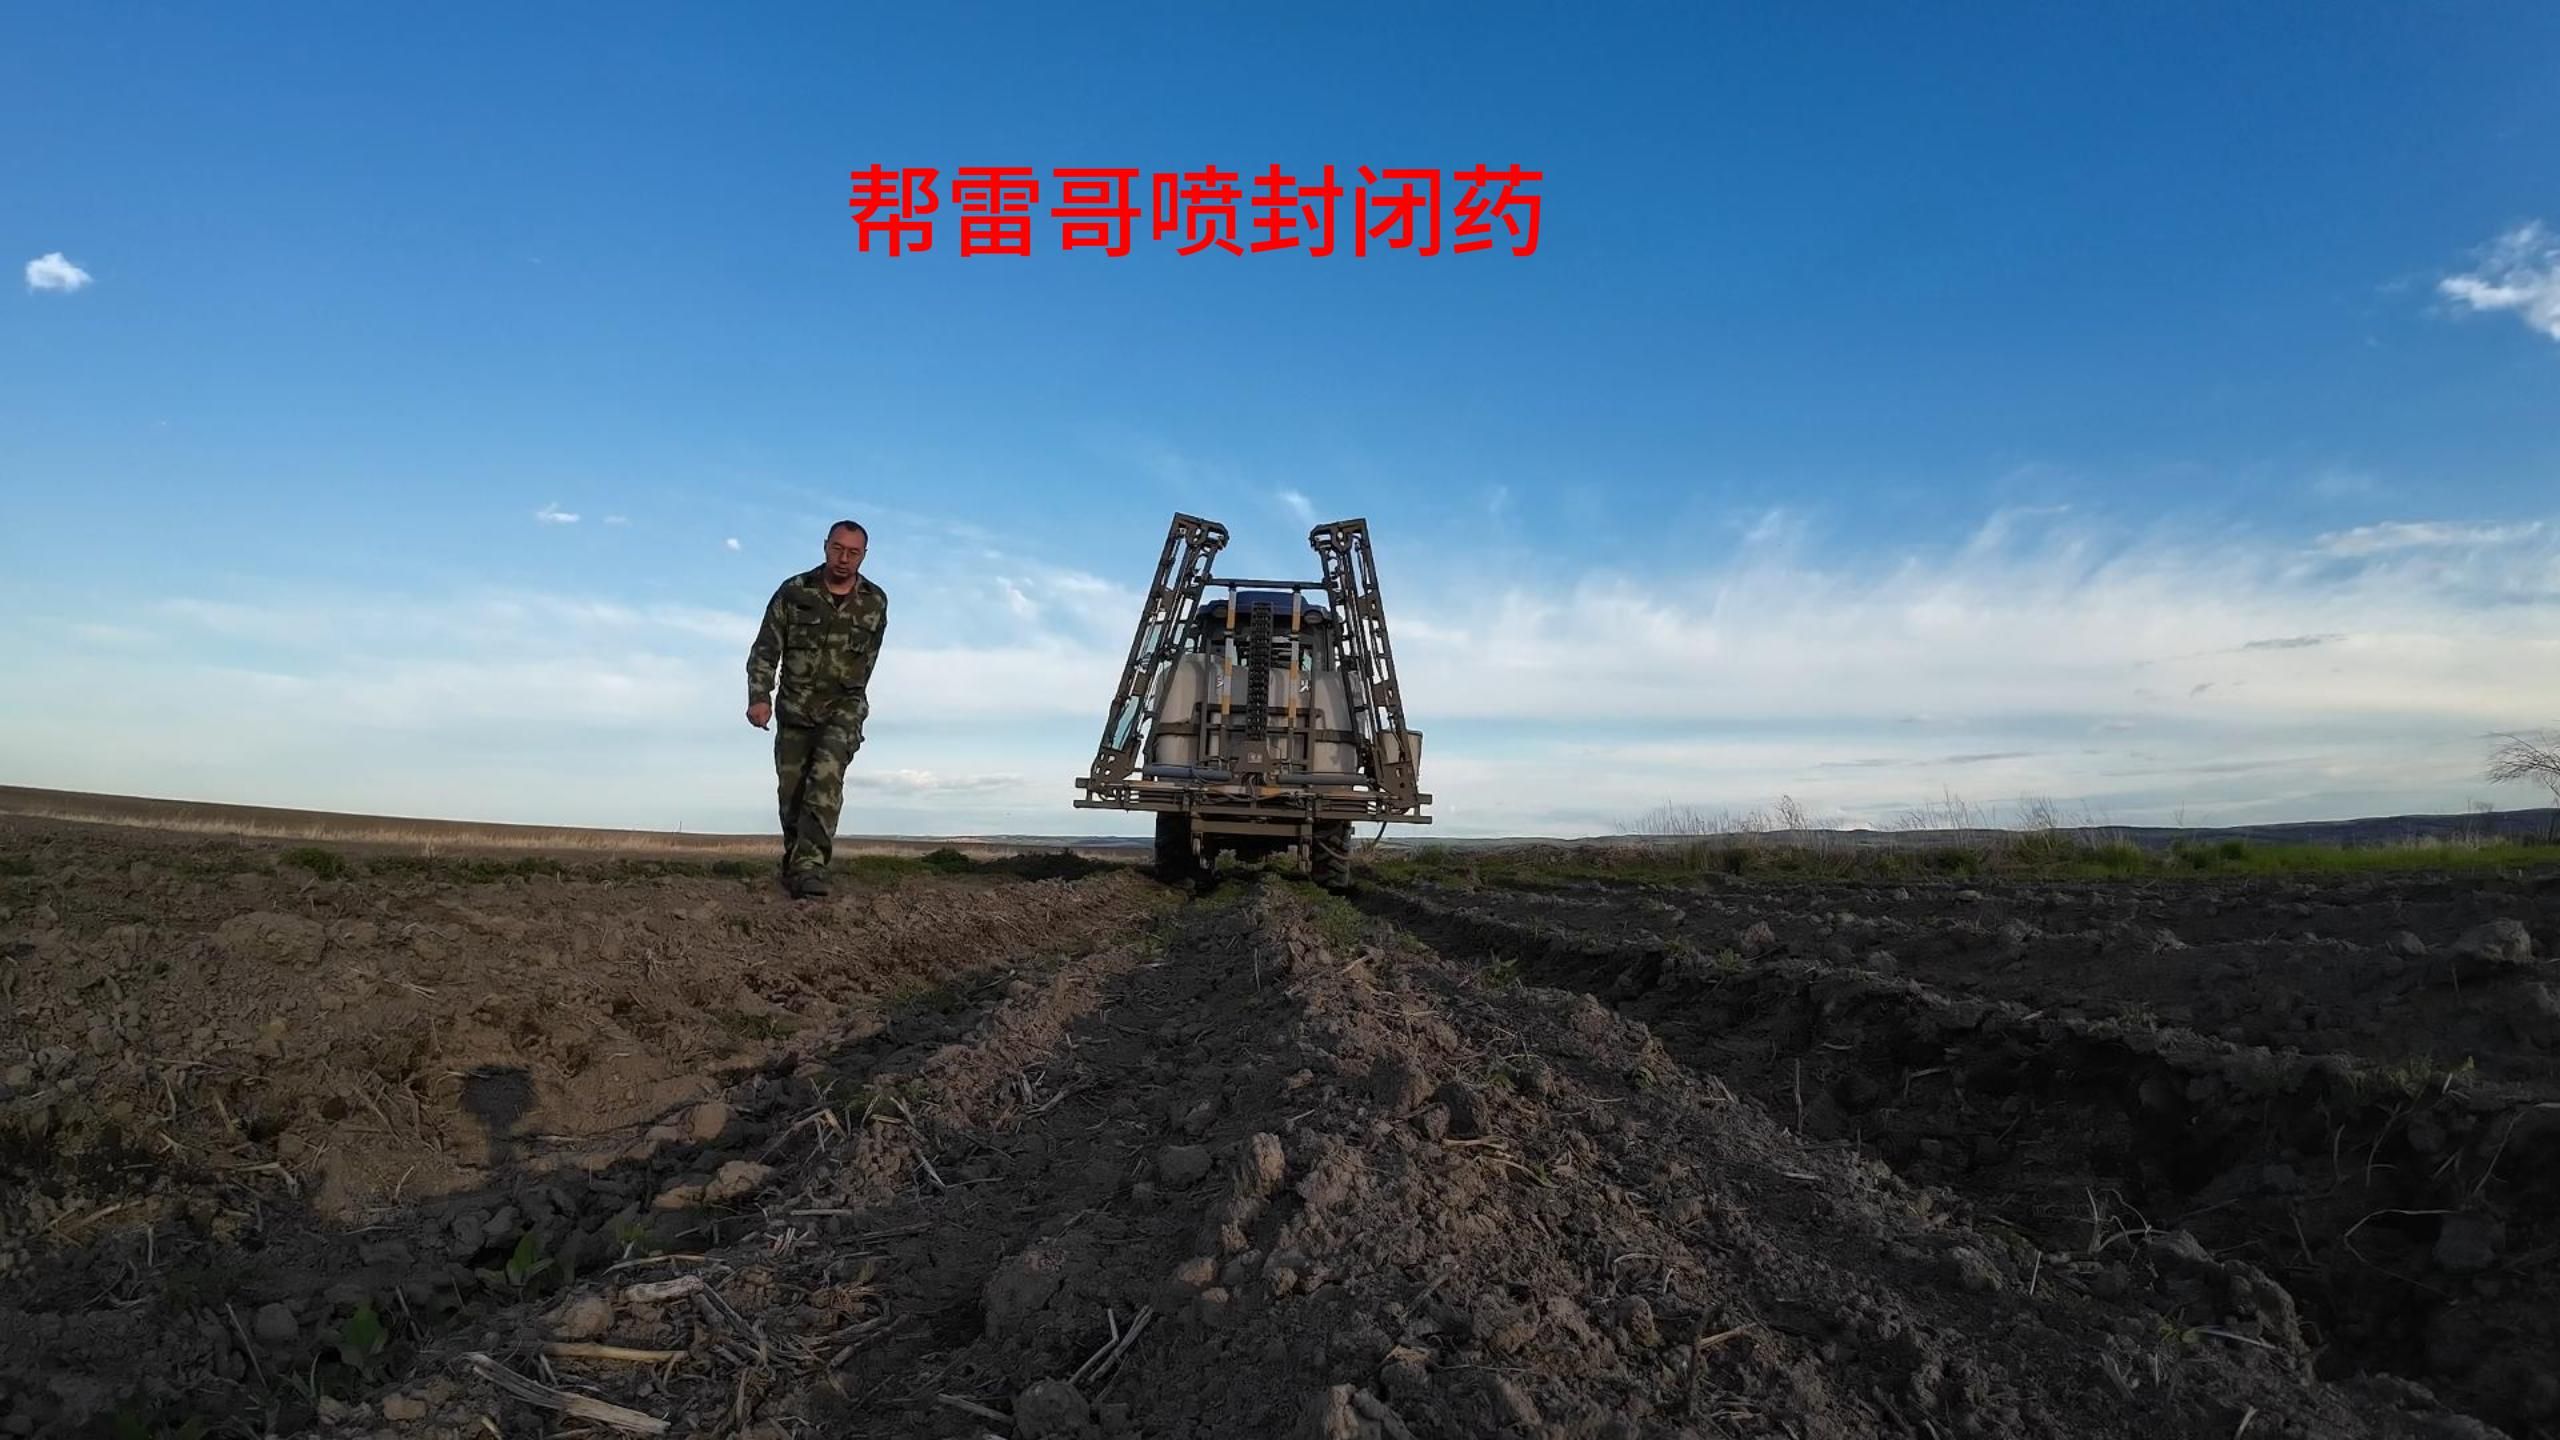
(1192, 212)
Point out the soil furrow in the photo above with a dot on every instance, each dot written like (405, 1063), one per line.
(2410, 1212)
(1333, 1185)
(962, 1153)
(2402, 965)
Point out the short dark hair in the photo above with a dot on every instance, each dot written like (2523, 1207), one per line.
(853, 525)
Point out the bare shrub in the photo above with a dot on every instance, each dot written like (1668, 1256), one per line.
(1683, 821)
(1951, 812)
(1669, 819)
(2534, 759)
(1790, 814)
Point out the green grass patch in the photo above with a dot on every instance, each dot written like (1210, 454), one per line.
(2236, 857)
(946, 861)
(2031, 856)
(1336, 921)
(327, 864)
(881, 869)
(467, 870)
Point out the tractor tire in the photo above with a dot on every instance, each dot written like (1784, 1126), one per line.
(1175, 863)
(1329, 857)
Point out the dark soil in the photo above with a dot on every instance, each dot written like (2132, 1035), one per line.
(964, 1155)
(2405, 1189)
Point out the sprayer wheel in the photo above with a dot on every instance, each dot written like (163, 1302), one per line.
(1329, 858)
(1175, 862)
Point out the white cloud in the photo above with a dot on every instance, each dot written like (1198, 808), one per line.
(52, 272)
(1298, 506)
(552, 514)
(2057, 624)
(731, 544)
(2408, 535)
(700, 622)
(2230, 677)
(2519, 271)
(924, 782)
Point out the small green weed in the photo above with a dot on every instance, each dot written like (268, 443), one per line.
(2414, 1075)
(526, 1261)
(362, 1341)
(132, 1421)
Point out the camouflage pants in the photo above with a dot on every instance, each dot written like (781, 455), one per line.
(808, 767)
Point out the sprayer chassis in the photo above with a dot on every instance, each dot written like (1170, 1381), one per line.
(1225, 763)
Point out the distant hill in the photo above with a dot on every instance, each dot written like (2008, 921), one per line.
(466, 835)
(469, 836)
(2371, 830)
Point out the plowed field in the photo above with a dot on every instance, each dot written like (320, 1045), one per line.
(293, 1143)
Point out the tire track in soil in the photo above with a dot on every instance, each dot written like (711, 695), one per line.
(2415, 1223)
(1329, 1184)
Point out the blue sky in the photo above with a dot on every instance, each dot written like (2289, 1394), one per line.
(1901, 400)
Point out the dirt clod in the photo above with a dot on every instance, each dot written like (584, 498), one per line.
(1345, 1412)
(1021, 1286)
(1182, 1165)
(275, 1325)
(1398, 1085)
(1264, 1165)
(583, 1318)
(1974, 1270)
(1050, 1410)
(706, 1122)
(737, 1180)
(2502, 944)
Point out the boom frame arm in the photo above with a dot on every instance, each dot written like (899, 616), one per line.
(1182, 572)
(1351, 583)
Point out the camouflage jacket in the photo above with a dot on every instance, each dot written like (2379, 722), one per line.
(821, 649)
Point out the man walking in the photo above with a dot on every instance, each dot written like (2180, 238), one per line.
(820, 637)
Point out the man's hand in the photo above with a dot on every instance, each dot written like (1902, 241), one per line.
(758, 712)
